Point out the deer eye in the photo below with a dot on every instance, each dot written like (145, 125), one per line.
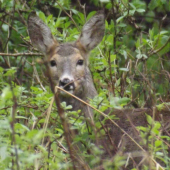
(80, 62)
(52, 63)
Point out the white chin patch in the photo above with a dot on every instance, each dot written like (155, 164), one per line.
(71, 88)
(66, 94)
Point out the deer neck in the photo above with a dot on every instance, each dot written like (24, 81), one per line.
(88, 91)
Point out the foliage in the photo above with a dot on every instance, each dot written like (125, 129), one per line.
(130, 68)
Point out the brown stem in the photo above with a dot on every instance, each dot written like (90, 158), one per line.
(21, 54)
(14, 108)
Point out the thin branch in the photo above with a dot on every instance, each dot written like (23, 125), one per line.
(21, 54)
(10, 28)
(38, 78)
(66, 129)
(84, 9)
(47, 119)
(12, 123)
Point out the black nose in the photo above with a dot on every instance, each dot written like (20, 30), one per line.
(67, 84)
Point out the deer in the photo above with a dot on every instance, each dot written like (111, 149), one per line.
(68, 68)
(68, 63)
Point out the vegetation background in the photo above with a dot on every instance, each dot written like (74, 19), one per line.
(130, 68)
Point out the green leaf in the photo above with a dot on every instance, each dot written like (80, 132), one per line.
(81, 16)
(10, 72)
(108, 6)
(112, 58)
(104, 62)
(74, 11)
(124, 69)
(3, 153)
(49, 18)
(125, 54)
(42, 16)
(119, 19)
(163, 1)
(140, 10)
(1, 70)
(121, 25)
(164, 32)
(153, 4)
(144, 56)
(158, 143)
(104, 1)
(123, 101)
(90, 15)
(160, 106)
(150, 16)
(21, 117)
(138, 56)
(131, 12)
(5, 27)
(109, 39)
(149, 119)
(21, 127)
(131, 4)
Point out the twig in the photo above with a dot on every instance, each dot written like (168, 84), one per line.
(110, 74)
(38, 78)
(47, 119)
(12, 123)
(21, 54)
(84, 8)
(65, 127)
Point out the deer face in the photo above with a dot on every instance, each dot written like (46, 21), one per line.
(68, 68)
(67, 62)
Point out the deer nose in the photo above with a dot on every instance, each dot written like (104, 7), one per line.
(67, 84)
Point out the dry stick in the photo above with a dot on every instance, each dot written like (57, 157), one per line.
(110, 74)
(10, 29)
(84, 9)
(66, 131)
(110, 120)
(12, 123)
(62, 146)
(38, 78)
(65, 127)
(47, 118)
(21, 54)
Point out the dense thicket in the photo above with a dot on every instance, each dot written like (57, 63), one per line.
(130, 68)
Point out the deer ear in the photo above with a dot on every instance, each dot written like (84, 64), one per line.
(40, 33)
(92, 32)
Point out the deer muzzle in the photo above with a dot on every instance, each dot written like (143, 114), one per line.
(67, 84)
